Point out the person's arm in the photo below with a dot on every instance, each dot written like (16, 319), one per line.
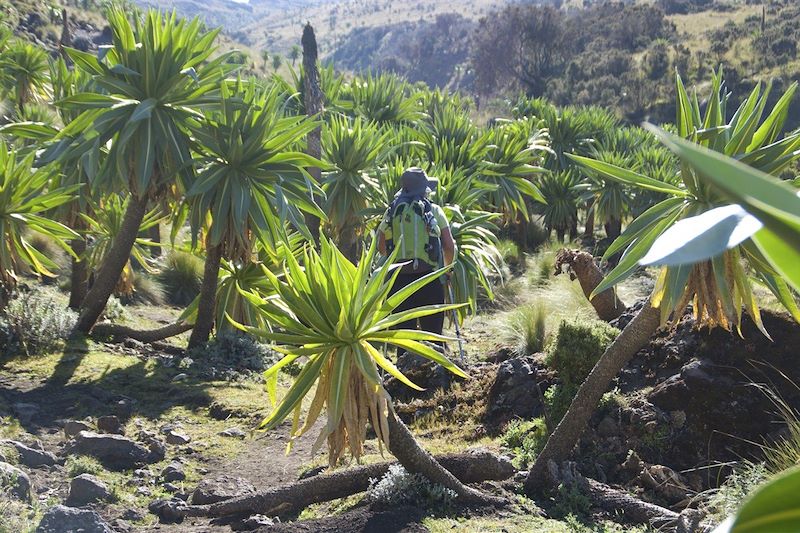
(382, 243)
(448, 247)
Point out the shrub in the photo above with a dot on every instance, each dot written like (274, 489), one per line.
(232, 352)
(82, 464)
(398, 487)
(146, 290)
(557, 400)
(181, 277)
(35, 322)
(570, 501)
(511, 255)
(526, 329)
(577, 346)
(114, 310)
(526, 438)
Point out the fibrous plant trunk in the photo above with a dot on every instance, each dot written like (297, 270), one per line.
(470, 467)
(313, 102)
(155, 237)
(561, 442)
(79, 276)
(581, 265)
(113, 265)
(206, 309)
(349, 240)
(631, 509)
(121, 333)
(613, 228)
(416, 460)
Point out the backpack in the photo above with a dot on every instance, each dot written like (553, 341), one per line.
(413, 226)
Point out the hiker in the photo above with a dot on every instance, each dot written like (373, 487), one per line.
(426, 245)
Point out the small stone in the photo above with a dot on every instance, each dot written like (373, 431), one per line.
(174, 426)
(171, 488)
(85, 489)
(252, 523)
(158, 450)
(173, 437)
(31, 456)
(73, 427)
(16, 482)
(110, 424)
(142, 472)
(220, 488)
(123, 408)
(180, 377)
(143, 491)
(233, 432)
(114, 451)
(173, 472)
(61, 519)
(167, 510)
(133, 515)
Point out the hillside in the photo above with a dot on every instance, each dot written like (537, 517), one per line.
(275, 25)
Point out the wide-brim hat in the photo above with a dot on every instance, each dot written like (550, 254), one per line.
(415, 177)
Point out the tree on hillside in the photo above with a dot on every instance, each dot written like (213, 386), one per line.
(294, 53)
(144, 118)
(277, 61)
(523, 45)
(265, 55)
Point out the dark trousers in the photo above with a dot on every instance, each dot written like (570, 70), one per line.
(430, 294)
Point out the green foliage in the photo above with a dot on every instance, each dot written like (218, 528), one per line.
(24, 70)
(399, 487)
(336, 313)
(181, 277)
(233, 352)
(251, 174)
(772, 507)
(35, 322)
(719, 287)
(82, 464)
(24, 202)
(576, 348)
(570, 502)
(557, 400)
(526, 438)
(155, 70)
(383, 99)
(526, 329)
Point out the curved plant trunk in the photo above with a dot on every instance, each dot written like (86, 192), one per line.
(79, 276)
(470, 467)
(313, 101)
(416, 460)
(349, 242)
(112, 267)
(117, 332)
(613, 228)
(582, 266)
(561, 442)
(206, 310)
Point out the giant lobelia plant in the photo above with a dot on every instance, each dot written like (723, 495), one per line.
(719, 287)
(337, 316)
(155, 76)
